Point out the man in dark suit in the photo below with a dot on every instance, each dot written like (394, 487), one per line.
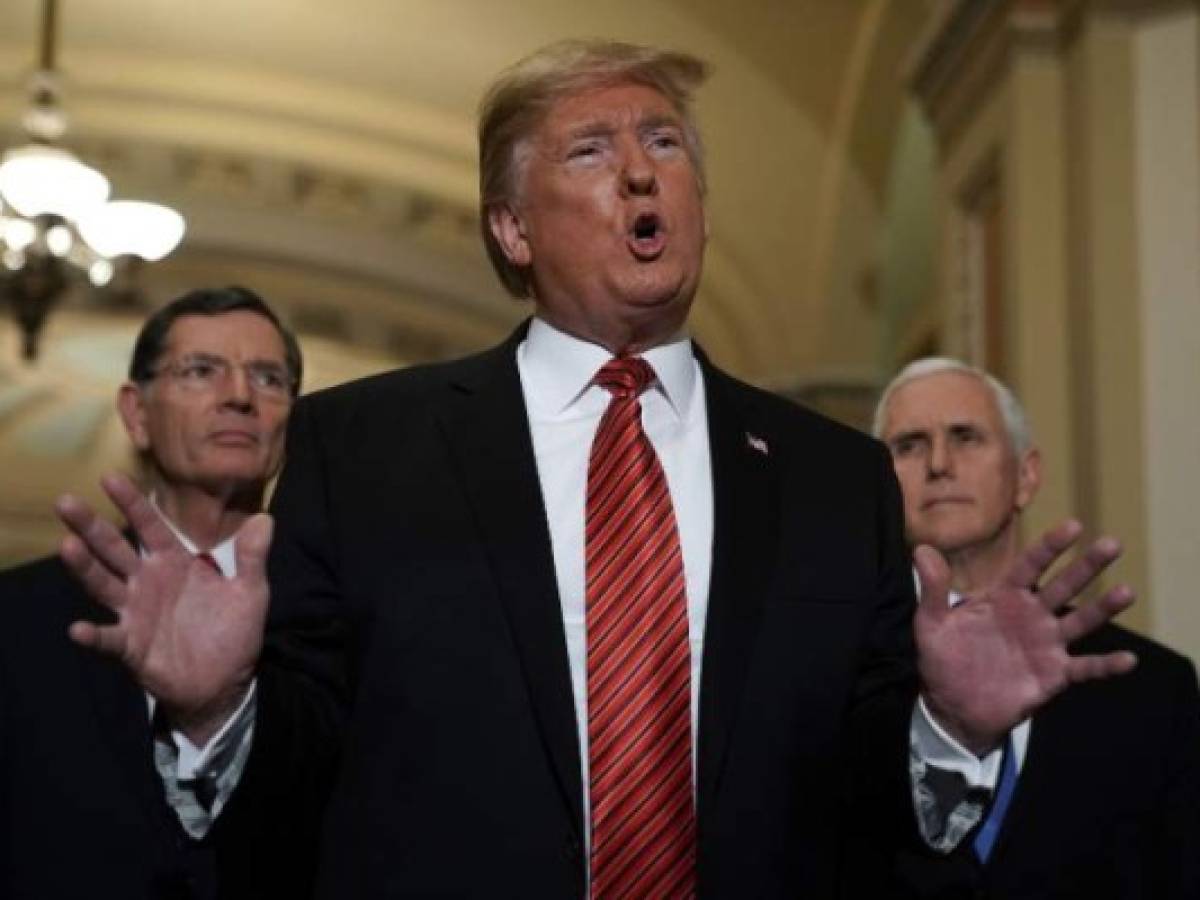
(1100, 796)
(91, 802)
(582, 613)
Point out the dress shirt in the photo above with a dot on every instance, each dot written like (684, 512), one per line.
(564, 409)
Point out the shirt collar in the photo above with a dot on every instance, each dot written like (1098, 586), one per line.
(223, 554)
(560, 368)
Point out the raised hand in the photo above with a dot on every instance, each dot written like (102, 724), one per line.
(990, 661)
(189, 636)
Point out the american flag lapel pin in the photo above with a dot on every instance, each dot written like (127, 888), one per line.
(754, 442)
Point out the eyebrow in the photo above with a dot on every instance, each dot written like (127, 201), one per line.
(911, 433)
(660, 120)
(591, 130)
(908, 435)
(605, 128)
(210, 356)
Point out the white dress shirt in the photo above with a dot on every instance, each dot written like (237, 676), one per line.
(564, 409)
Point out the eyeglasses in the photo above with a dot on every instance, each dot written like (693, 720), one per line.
(203, 372)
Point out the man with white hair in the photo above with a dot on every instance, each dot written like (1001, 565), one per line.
(1099, 795)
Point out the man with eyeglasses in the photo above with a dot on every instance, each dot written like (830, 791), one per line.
(97, 794)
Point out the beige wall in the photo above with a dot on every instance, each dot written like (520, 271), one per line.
(1039, 329)
(1167, 128)
(1013, 134)
(1107, 377)
(1087, 115)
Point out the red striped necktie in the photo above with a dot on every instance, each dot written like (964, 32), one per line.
(638, 659)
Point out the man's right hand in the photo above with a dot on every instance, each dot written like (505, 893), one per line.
(1004, 651)
(190, 637)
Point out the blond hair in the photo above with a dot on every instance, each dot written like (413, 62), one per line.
(523, 94)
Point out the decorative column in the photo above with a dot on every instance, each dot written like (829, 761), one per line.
(1069, 196)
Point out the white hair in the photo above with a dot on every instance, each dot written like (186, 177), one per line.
(1016, 423)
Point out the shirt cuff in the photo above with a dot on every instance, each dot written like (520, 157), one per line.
(198, 790)
(935, 747)
(193, 760)
(951, 787)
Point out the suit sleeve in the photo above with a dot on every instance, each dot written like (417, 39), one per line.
(268, 837)
(879, 811)
(1179, 832)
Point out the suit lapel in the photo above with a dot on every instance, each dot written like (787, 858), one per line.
(122, 716)
(1036, 779)
(486, 425)
(745, 538)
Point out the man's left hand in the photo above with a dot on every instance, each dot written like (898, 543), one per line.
(990, 661)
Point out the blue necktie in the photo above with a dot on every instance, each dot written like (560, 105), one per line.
(985, 840)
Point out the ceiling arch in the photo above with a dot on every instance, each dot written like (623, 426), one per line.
(341, 136)
(324, 155)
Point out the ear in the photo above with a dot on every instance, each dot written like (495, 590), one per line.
(508, 229)
(131, 404)
(1029, 477)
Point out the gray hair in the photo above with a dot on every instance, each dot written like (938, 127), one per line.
(1016, 422)
(520, 98)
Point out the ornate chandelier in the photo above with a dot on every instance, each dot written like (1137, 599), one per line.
(57, 223)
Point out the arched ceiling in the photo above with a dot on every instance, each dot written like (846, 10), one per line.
(324, 155)
(339, 138)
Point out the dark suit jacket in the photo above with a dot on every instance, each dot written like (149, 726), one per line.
(1107, 806)
(416, 629)
(82, 812)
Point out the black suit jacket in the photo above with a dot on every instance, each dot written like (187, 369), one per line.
(82, 812)
(416, 633)
(1107, 806)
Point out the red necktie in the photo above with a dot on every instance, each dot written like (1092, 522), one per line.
(638, 660)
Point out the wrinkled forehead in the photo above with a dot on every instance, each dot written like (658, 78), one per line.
(238, 334)
(620, 105)
(941, 400)
(602, 108)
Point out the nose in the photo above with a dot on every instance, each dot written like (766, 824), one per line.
(640, 179)
(239, 393)
(939, 463)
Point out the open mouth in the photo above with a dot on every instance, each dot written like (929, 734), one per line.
(647, 237)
